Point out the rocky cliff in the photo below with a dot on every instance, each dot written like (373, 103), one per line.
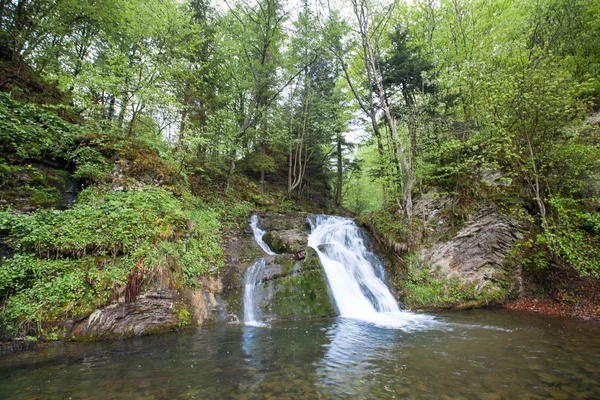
(450, 263)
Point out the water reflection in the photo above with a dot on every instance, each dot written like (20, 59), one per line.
(355, 356)
(460, 357)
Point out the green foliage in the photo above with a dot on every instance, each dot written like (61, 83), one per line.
(30, 132)
(572, 240)
(91, 164)
(362, 177)
(67, 262)
(257, 162)
(427, 286)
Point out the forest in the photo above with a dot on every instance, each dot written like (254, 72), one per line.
(172, 120)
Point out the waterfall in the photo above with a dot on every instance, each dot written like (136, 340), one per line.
(253, 278)
(258, 235)
(359, 292)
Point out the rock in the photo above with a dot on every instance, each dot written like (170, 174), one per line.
(430, 206)
(206, 303)
(272, 221)
(476, 253)
(557, 394)
(490, 396)
(292, 241)
(297, 296)
(292, 283)
(288, 289)
(153, 311)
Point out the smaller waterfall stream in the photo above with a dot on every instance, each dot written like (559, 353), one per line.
(258, 235)
(358, 292)
(253, 277)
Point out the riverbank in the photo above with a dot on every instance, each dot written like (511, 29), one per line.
(584, 310)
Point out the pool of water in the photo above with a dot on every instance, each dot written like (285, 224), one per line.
(484, 354)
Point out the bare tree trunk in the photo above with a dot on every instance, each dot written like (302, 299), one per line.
(111, 110)
(184, 113)
(299, 167)
(375, 78)
(537, 186)
(338, 194)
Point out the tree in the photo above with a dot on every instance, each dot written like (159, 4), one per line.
(370, 44)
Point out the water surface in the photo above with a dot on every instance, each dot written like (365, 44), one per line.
(485, 354)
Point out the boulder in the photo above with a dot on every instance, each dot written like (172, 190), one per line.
(293, 241)
(151, 312)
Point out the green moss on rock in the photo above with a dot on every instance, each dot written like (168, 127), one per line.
(297, 296)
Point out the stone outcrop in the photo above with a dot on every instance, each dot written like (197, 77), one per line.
(292, 284)
(292, 289)
(476, 253)
(207, 304)
(272, 221)
(454, 262)
(153, 311)
(285, 234)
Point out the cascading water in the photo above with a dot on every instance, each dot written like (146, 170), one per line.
(357, 290)
(258, 235)
(253, 278)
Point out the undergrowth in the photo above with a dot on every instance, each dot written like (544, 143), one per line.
(69, 262)
(427, 286)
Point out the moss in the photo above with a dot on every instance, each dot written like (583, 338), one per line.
(157, 329)
(44, 196)
(427, 287)
(301, 295)
(184, 316)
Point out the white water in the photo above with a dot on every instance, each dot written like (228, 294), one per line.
(358, 292)
(258, 235)
(253, 277)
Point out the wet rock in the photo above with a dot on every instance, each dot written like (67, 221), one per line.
(206, 302)
(153, 311)
(292, 241)
(297, 296)
(291, 284)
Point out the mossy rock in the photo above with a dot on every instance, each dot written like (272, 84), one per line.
(291, 241)
(290, 289)
(298, 296)
(272, 221)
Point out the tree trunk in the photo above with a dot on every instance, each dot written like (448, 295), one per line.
(338, 194)
(376, 79)
(184, 113)
(537, 186)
